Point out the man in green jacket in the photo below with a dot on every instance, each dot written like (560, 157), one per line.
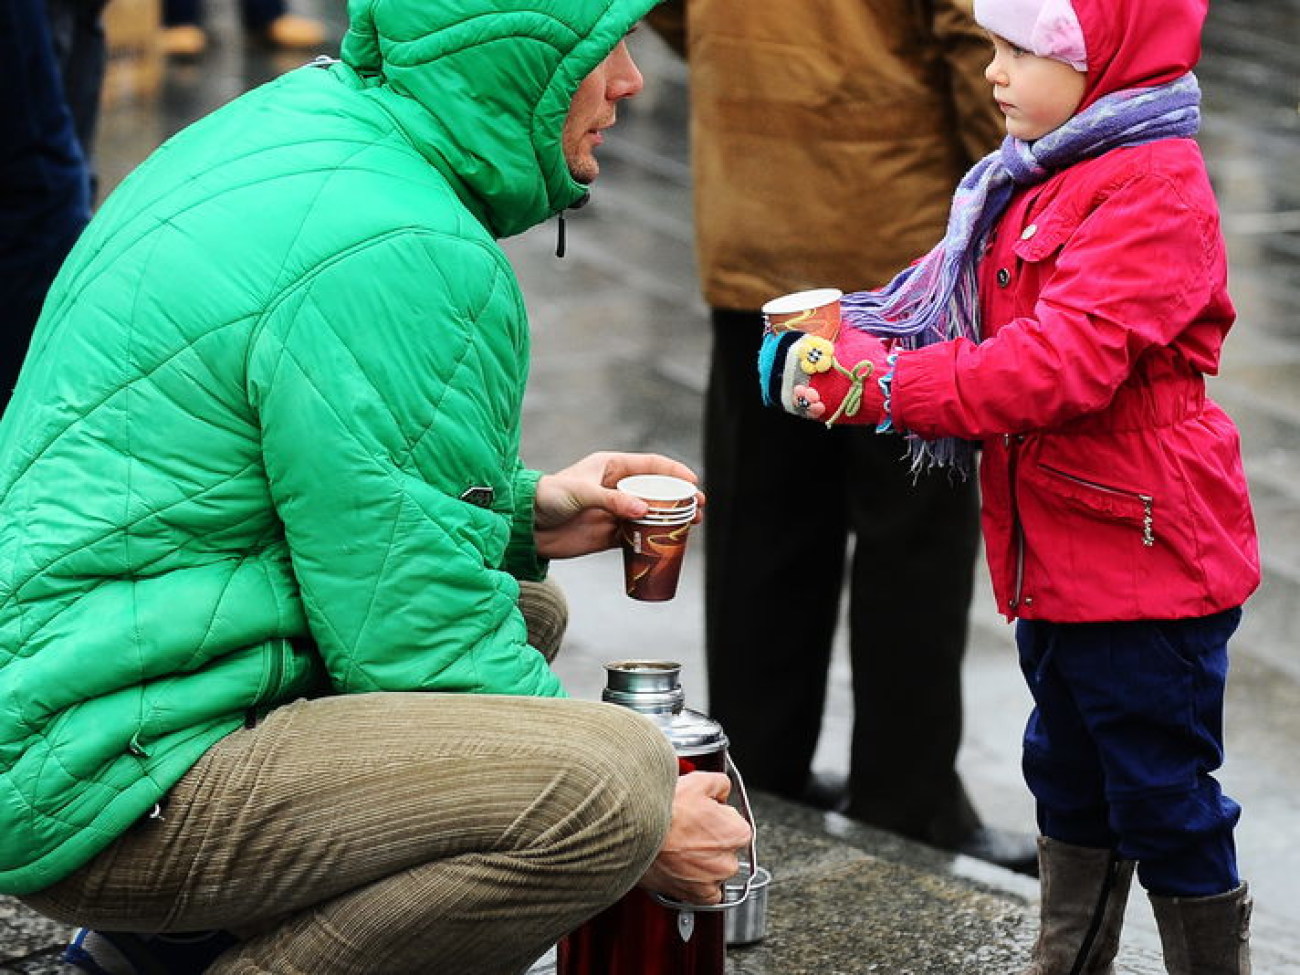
(264, 526)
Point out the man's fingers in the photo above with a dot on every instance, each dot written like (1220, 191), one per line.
(715, 785)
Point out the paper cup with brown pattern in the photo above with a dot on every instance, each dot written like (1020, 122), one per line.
(653, 552)
(816, 312)
(655, 544)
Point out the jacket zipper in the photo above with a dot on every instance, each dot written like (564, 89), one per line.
(561, 243)
(1148, 502)
(1012, 442)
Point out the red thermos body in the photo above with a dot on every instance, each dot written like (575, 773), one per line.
(642, 934)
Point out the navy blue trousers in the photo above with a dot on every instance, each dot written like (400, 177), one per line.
(1126, 731)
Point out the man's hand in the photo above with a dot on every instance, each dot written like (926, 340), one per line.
(705, 834)
(577, 510)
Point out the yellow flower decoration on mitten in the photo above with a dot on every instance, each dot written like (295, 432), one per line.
(815, 355)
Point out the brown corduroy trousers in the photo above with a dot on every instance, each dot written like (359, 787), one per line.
(392, 833)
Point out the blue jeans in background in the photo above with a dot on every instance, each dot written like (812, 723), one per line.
(45, 186)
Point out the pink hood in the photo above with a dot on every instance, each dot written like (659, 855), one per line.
(1138, 43)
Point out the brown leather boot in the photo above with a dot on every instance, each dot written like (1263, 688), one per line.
(1205, 935)
(290, 32)
(183, 41)
(1081, 909)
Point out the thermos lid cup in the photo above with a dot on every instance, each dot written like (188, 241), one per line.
(747, 921)
(653, 687)
(648, 686)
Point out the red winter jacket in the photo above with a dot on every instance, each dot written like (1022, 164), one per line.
(1112, 485)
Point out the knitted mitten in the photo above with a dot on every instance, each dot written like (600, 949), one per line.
(845, 381)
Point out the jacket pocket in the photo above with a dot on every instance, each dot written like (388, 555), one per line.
(1043, 236)
(1018, 277)
(1104, 501)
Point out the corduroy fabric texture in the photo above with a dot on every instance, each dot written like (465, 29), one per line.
(393, 833)
(546, 614)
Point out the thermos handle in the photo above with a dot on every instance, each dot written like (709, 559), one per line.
(747, 812)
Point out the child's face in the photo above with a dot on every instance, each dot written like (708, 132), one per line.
(1035, 94)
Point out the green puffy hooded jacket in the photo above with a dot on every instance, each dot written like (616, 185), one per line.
(241, 460)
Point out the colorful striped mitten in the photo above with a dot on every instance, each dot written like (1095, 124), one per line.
(845, 381)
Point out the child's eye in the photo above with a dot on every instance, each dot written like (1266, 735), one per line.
(1017, 52)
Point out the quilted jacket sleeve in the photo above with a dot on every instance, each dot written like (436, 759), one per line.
(1100, 310)
(388, 384)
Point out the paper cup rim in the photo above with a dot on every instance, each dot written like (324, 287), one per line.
(651, 508)
(657, 487)
(802, 301)
(662, 522)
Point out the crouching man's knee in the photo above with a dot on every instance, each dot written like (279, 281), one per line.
(638, 778)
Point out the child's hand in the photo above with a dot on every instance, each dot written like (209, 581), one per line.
(833, 382)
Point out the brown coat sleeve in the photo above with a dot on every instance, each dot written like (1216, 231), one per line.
(968, 50)
(826, 138)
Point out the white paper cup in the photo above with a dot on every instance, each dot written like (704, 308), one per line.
(816, 312)
(661, 491)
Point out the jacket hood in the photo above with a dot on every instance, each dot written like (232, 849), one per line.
(1138, 43)
(482, 88)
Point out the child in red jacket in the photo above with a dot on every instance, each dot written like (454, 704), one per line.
(1066, 324)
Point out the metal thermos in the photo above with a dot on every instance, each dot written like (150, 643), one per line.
(645, 934)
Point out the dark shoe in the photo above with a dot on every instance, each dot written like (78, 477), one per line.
(827, 791)
(1012, 851)
(120, 953)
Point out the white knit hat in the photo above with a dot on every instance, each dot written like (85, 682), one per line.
(1048, 28)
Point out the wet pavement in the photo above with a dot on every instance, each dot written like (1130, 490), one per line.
(621, 347)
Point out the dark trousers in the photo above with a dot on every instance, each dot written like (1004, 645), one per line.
(77, 31)
(253, 14)
(44, 178)
(785, 496)
(1120, 747)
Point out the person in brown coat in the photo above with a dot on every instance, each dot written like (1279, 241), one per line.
(827, 139)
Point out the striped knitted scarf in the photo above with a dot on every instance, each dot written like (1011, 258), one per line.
(935, 299)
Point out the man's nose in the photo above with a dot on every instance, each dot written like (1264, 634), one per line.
(625, 78)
